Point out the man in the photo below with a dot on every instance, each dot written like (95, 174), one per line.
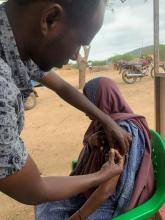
(49, 32)
(90, 65)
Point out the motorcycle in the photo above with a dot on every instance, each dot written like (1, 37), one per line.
(133, 71)
(31, 101)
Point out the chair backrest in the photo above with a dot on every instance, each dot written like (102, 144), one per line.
(158, 158)
(153, 205)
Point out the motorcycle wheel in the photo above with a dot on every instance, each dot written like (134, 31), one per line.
(30, 102)
(161, 70)
(126, 78)
(152, 73)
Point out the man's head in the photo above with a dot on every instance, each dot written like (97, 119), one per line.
(56, 29)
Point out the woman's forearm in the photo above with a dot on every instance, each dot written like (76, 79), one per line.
(93, 203)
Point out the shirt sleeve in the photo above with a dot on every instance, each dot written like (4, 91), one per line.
(13, 155)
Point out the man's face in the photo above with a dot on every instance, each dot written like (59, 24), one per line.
(58, 46)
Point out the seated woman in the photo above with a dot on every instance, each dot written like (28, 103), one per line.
(122, 192)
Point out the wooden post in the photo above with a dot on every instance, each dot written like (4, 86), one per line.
(82, 70)
(156, 64)
(162, 106)
(159, 77)
(82, 65)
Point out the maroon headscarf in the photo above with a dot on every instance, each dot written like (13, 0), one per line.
(104, 93)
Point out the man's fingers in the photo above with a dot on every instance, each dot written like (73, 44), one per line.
(101, 140)
(118, 157)
(127, 143)
(111, 155)
(101, 133)
(123, 146)
(119, 160)
(128, 140)
(100, 137)
(129, 137)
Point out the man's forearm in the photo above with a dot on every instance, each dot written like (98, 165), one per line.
(26, 185)
(115, 134)
(66, 187)
(73, 96)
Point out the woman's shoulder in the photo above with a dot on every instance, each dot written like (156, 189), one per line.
(130, 127)
(127, 123)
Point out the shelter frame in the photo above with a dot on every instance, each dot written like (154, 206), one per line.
(159, 83)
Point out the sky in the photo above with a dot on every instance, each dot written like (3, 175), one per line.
(129, 27)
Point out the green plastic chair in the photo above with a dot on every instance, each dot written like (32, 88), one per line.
(152, 206)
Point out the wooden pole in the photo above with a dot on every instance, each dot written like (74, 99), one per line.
(82, 65)
(159, 77)
(156, 65)
(162, 106)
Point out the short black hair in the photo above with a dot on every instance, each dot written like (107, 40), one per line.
(76, 10)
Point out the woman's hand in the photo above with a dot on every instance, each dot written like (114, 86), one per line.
(117, 136)
(113, 135)
(97, 139)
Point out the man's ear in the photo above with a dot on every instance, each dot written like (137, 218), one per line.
(51, 18)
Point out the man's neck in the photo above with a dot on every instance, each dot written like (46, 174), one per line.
(18, 28)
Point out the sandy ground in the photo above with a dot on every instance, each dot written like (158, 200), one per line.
(54, 131)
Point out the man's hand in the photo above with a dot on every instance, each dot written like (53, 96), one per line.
(102, 193)
(106, 189)
(117, 137)
(109, 187)
(114, 166)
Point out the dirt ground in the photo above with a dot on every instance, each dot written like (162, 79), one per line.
(54, 131)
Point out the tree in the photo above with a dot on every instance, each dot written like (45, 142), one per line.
(82, 61)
